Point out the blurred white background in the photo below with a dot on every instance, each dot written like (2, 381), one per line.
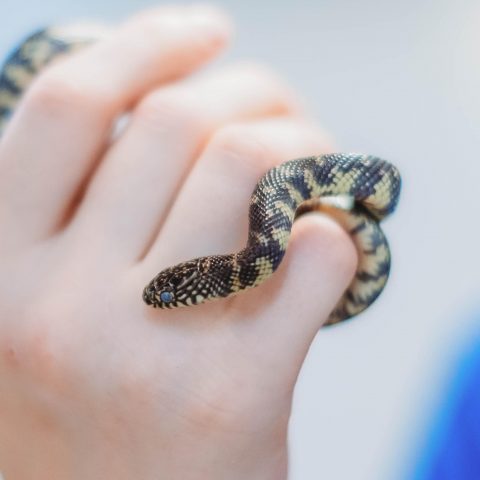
(399, 79)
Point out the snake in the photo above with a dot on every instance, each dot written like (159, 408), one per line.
(357, 190)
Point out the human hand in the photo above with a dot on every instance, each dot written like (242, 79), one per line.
(93, 383)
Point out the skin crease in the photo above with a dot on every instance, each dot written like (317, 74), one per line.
(93, 383)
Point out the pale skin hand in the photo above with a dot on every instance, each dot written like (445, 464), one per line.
(93, 383)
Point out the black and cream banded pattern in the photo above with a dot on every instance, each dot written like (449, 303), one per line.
(25, 61)
(358, 190)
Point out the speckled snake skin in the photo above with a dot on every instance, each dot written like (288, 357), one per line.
(358, 190)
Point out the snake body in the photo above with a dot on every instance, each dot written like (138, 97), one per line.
(358, 190)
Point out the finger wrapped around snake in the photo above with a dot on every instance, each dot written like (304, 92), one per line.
(358, 190)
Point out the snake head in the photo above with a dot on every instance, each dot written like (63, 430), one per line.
(176, 286)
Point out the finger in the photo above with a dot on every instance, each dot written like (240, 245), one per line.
(68, 112)
(135, 186)
(291, 306)
(211, 212)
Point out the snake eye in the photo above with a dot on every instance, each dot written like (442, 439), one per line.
(166, 297)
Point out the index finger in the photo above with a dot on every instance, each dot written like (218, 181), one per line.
(68, 112)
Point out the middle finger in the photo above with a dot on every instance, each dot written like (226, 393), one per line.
(210, 215)
(137, 182)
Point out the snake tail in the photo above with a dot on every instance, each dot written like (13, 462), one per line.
(27, 60)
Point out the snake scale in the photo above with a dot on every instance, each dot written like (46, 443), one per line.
(358, 190)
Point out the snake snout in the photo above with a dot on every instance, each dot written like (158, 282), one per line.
(149, 294)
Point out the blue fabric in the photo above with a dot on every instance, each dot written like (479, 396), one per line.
(453, 452)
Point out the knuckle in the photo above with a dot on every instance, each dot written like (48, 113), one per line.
(172, 109)
(55, 92)
(169, 21)
(246, 144)
(171, 29)
(261, 78)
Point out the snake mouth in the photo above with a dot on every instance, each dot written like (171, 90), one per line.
(149, 295)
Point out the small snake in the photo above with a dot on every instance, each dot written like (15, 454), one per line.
(358, 190)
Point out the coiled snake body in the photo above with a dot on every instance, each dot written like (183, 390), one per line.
(359, 190)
